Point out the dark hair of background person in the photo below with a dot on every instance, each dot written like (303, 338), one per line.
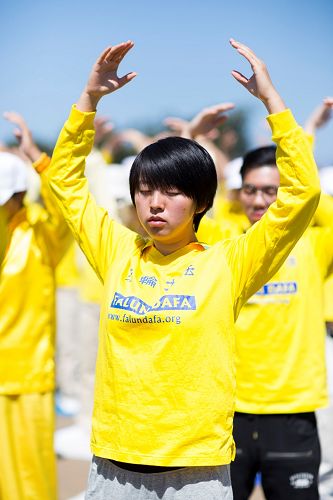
(260, 157)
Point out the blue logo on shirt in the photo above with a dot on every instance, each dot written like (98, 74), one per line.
(165, 303)
(278, 288)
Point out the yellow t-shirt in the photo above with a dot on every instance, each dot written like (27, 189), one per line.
(280, 334)
(165, 375)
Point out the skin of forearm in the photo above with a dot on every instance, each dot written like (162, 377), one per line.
(87, 102)
(274, 102)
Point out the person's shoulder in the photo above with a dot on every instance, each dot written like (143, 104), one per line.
(319, 236)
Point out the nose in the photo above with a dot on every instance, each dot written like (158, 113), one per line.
(259, 199)
(157, 200)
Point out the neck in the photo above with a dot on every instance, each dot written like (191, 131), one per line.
(171, 247)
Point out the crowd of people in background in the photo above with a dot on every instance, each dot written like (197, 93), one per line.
(73, 287)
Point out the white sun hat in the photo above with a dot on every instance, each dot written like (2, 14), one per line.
(233, 179)
(326, 179)
(13, 176)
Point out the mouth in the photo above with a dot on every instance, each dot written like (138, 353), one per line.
(156, 221)
(257, 214)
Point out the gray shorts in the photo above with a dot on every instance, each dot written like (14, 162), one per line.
(109, 482)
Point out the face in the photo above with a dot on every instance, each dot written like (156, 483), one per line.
(259, 191)
(13, 205)
(167, 216)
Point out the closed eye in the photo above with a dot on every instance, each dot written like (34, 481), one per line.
(172, 193)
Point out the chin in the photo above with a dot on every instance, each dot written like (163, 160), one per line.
(256, 218)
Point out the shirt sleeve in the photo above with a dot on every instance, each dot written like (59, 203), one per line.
(55, 229)
(90, 224)
(257, 255)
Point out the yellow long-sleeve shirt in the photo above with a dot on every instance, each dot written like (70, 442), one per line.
(165, 381)
(38, 239)
(280, 334)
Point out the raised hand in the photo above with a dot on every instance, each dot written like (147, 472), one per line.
(179, 126)
(203, 123)
(209, 118)
(24, 136)
(103, 128)
(320, 116)
(103, 78)
(259, 84)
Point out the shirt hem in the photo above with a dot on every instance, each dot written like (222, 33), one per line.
(165, 461)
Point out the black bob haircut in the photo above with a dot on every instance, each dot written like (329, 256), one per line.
(259, 157)
(178, 163)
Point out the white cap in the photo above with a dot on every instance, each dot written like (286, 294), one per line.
(326, 179)
(128, 161)
(13, 176)
(233, 179)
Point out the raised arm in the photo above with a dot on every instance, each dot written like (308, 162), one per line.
(319, 116)
(55, 228)
(90, 224)
(257, 255)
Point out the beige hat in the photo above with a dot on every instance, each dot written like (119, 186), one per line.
(13, 176)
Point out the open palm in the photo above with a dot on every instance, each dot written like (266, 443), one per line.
(103, 78)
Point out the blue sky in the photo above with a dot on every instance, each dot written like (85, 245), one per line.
(181, 54)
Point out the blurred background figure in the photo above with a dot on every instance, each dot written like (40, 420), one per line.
(317, 119)
(38, 238)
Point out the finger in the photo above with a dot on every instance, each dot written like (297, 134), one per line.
(15, 118)
(101, 120)
(103, 55)
(172, 119)
(116, 59)
(253, 60)
(175, 124)
(328, 101)
(240, 77)
(11, 116)
(118, 51)
(127, 78)
(108, 55)
(241, 46)
(246, 52)
(225, 106)
(125, 51)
